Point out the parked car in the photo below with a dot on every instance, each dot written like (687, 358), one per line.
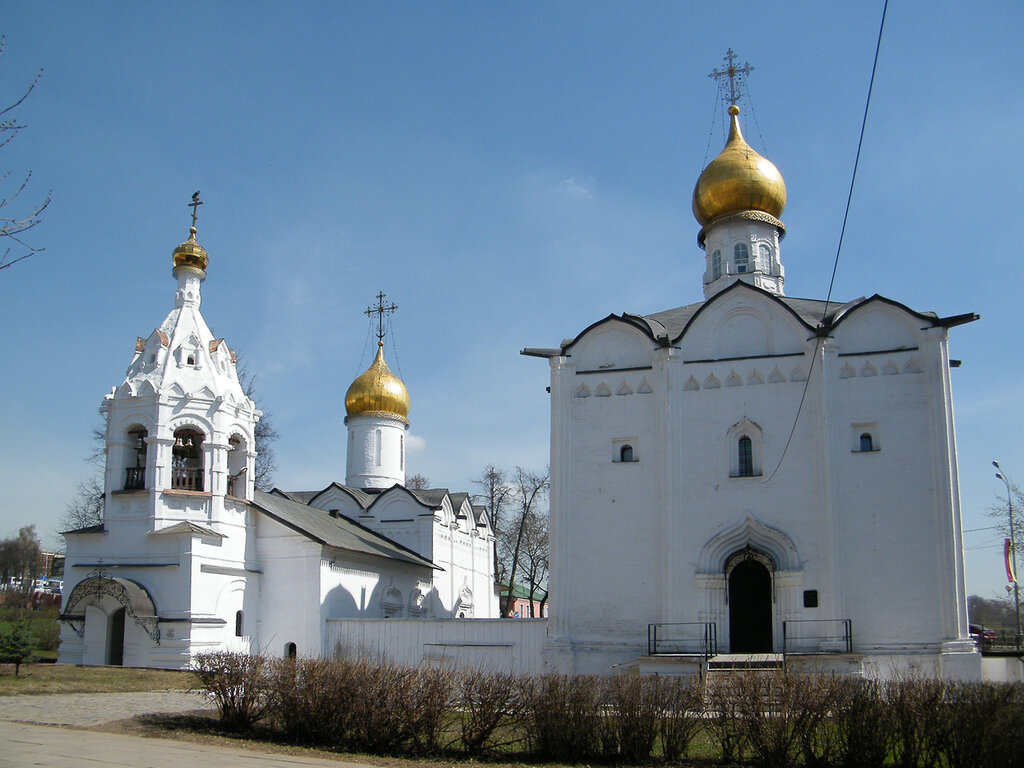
(981, 634)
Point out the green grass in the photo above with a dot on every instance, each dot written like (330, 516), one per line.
(53, 678)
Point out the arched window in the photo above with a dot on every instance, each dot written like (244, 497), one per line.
(866, 443)
(135, 469)
(376, 446)
(716, 265)
(187, 460)
(626, 453)
(237, 465)
(764, 259)
(238, 623)
(290, 651)
(746, 457)
(741, 257)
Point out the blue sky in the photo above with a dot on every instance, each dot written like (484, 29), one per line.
(507, 173)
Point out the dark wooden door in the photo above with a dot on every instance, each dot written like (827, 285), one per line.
(750, 608)
(117, 639)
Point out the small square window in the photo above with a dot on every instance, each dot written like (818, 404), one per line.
(810, 598)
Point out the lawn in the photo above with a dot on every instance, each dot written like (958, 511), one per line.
(54, 678)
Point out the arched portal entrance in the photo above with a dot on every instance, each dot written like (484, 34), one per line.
(749, 577)
(115, 652)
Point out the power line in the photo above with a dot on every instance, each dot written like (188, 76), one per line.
(821, 332)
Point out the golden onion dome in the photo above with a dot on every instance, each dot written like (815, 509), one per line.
(191, 254)
(737, 180)
(377, 391)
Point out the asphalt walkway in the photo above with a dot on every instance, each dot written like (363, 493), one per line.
(45, 731)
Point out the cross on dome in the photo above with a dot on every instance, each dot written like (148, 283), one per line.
(381, 310)
(737, 77)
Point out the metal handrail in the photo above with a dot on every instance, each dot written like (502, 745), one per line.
(820, 641)
(705, 640)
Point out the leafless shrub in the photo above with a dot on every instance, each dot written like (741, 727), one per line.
(564, 717)
(239, 685)
(429, 707)
(382, 727)
(863, 723)
(982, 725)
(492, 705)
(315, 700)
(820, 738)
(916, 706)
(724, 714)
(779, 712)
(682, 713)
(630, 717)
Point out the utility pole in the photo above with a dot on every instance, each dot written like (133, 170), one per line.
(1012, 553)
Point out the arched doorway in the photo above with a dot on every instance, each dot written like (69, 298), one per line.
(750, 602)
(115, 652)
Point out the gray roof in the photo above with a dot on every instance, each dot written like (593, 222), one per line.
(339, 532)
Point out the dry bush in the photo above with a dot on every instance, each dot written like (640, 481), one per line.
(779, 712)
(382, 726)
(315, 699)
(724, 710)
(820, 738)
(565, 718)
(916, 707)
(632, 714)
(682, 713)
(982, 725)
(492, 705)
(863, 723)
(239, 685)
(428, 708)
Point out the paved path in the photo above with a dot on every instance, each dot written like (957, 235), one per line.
(55, 747)
(88, 709)
(43, 731)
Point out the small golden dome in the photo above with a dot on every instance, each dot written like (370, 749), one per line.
(737, 180)
(191, 254)
(377, 391)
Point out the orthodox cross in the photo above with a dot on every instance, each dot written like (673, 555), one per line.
(737, 77)
(380, 310)
(194, 205)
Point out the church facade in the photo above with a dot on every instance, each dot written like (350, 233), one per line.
(190, 557)
(756, 474)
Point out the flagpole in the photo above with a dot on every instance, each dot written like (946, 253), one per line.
(1013, 551)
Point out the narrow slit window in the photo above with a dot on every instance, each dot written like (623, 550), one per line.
(716, 265)
(238, 623)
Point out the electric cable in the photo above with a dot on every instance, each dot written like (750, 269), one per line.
(839, 247)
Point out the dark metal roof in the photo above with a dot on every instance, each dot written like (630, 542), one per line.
(668, 326)
(339, 532)
(98, 528)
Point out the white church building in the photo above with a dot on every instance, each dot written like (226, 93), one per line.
(190, 557)
(752, 475)
(756, 474)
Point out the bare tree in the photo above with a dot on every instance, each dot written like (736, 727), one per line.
(14, 225)
(85, 508)
(417, 482)
(528, 488)
(533, 558)
(264, 433)
(494, 496)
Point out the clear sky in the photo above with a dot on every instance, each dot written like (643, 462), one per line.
(507, 173)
